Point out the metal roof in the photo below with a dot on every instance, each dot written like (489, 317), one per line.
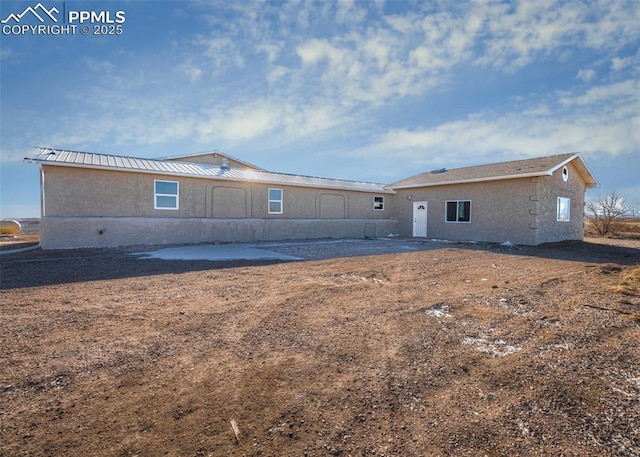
(214, 152)
(540, 166)
(66, 158)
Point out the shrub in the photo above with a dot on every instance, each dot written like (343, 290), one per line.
(603, 214)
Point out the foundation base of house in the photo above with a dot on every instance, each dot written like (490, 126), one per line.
(93, 232)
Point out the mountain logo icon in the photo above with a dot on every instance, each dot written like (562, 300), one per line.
(39, 11)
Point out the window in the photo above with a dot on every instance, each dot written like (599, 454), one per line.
(564, 209)
(378, 203)
(275, 201)
(458, 211)
(166, 194)
(565, 173)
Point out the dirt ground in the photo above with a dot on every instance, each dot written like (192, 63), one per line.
(451, 350)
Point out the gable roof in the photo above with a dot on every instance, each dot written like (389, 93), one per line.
(526, 168)
(77, 159)
(215, 154)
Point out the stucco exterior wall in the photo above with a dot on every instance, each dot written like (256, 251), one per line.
(500, 211)
(79, 232)
(549, 229)
(520, 211)
(100, 208)
(88, 192)
(101, 193)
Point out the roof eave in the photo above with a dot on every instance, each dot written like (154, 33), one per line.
(472, 180)
(583, 169)
(587, 175)
(196, 154)
(381, 190)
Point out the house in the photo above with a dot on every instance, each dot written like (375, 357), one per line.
(100, 200)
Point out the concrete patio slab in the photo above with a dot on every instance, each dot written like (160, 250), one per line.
(215, 252)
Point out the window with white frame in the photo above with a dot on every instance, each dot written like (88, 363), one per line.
(166, 194)
(458, 211)
(564, 209)
(275, 201)
(378, 203)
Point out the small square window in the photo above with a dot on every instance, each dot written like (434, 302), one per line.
(166, 194)
(458, 211)
(275, 201)
(378, 203)
(564, 209)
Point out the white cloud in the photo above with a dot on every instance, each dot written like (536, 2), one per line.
(404, 24)
(611, 25)
(302, 19)
(577, 123)
(586, 75)
(314, 50)
(99, 65)
(223, 53)
(529, 29)
(429, 58)
(193, 73)
(272, 50)
(539, 110)
(241, 122)
(623, 92)
(378, 49)
(349, 12)
(291, 120)
(411, 54)
(618, 63)
(449, 36)
(277, 73)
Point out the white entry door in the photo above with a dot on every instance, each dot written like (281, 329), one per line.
(420, 219)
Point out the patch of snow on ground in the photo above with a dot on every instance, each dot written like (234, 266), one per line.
(439, 310)
(497, 348)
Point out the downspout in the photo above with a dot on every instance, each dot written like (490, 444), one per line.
(42, 207)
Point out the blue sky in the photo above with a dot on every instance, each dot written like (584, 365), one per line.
(364, 90)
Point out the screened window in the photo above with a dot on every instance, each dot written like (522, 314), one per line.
(564, 209)
(458, 211)
(275, 201)
(378, 203)
(166, 194)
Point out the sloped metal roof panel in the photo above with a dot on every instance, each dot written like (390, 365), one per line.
(59, 157)
(209, 153)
